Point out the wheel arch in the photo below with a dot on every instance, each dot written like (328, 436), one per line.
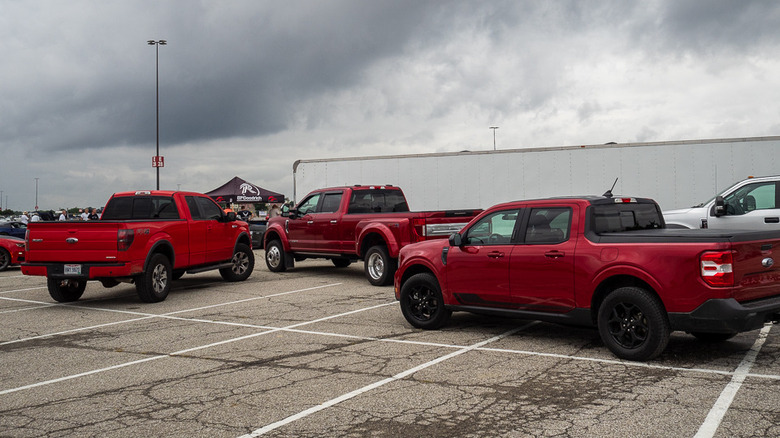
(163, 247)
(372, 238)
(612, 283)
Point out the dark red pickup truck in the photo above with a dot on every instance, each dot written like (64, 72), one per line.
(601, 261)
(148, 238)
(345, 224)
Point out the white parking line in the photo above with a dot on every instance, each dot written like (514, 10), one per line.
(718, 411)
(185, 351)
(144, 315)
(375, 385)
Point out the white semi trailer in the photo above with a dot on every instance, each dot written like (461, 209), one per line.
(676, 173)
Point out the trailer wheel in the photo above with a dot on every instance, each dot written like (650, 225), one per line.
(154, 284)
(379, 266)
(633, 324)
(243, 264)
(65, 290)
(422, 303)
(274, 256)
(5, 259)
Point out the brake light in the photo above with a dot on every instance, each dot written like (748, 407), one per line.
(625, 200)
(124, 238)
(717, 268)
(418, 228)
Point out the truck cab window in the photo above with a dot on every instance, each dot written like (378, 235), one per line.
(494, 229)
(759, 196)
(309, 205)
(548, 226)
(331, 202)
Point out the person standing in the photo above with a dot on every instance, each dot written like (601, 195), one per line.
(24, 218)
(93, 216)
(274, 211)
(84, 215)
(244, 214)
(64, 215)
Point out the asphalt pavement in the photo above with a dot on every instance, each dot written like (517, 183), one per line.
(317, 351)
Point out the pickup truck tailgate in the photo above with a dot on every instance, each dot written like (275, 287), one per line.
(76, 242)
(757, 269)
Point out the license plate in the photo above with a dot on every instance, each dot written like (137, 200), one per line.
(72, 269)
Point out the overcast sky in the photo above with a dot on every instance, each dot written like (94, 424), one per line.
(247, 87)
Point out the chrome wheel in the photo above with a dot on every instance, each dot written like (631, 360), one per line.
(375, 266)
(159, 279)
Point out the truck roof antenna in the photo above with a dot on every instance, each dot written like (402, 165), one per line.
(608, 193)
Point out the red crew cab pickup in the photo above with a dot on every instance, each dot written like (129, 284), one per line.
(345, 224)
(602, 261)
(148, 238)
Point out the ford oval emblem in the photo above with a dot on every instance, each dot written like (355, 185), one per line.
(767, 262)
(72, 240)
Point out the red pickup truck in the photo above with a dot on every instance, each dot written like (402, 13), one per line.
(601, 261)
(345, 224)
(148, 238)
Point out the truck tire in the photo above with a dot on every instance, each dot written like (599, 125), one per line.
(275, 257)
(422, 303)
(379, 266)
(243, 264)
(5, 259)
(65, 290)
(633, 324)
(154, 284)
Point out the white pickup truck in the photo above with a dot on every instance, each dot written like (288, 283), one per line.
(751, 204)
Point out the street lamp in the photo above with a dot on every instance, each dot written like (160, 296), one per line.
(157, 162)
(494, 136)
(36, 194)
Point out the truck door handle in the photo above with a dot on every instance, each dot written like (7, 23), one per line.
(309, 222)
(495, 255)
(554, 254)
(334, 221)
(772, 220)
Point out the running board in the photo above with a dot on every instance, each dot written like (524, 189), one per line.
(209, 268)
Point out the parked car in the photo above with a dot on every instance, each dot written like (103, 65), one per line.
(596, 261)
(15, 229)
(257, 230)
(11, 251)
(751, 204)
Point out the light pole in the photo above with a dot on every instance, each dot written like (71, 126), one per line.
(36, 194)
(494, 136)
(157, 162)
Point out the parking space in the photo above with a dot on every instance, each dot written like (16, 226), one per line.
(317, 351)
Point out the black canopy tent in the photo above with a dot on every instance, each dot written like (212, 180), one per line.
(239, 191)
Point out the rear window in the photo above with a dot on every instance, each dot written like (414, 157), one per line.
(377, 201)
(136, 207)
(613, 218)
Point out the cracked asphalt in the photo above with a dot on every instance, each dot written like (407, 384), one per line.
(317, 351)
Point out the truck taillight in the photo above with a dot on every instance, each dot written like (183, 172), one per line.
(418, 228)
(717, 268)
(124, 238)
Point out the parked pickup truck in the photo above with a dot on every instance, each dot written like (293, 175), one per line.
(148, 238)
(604, 261)
(751, 204)
(345, 224)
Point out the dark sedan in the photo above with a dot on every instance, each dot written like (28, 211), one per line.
(13, 228)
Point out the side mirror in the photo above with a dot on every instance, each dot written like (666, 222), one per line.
(292, 213)
(230, 217)
(719, 209)
(456, 240)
